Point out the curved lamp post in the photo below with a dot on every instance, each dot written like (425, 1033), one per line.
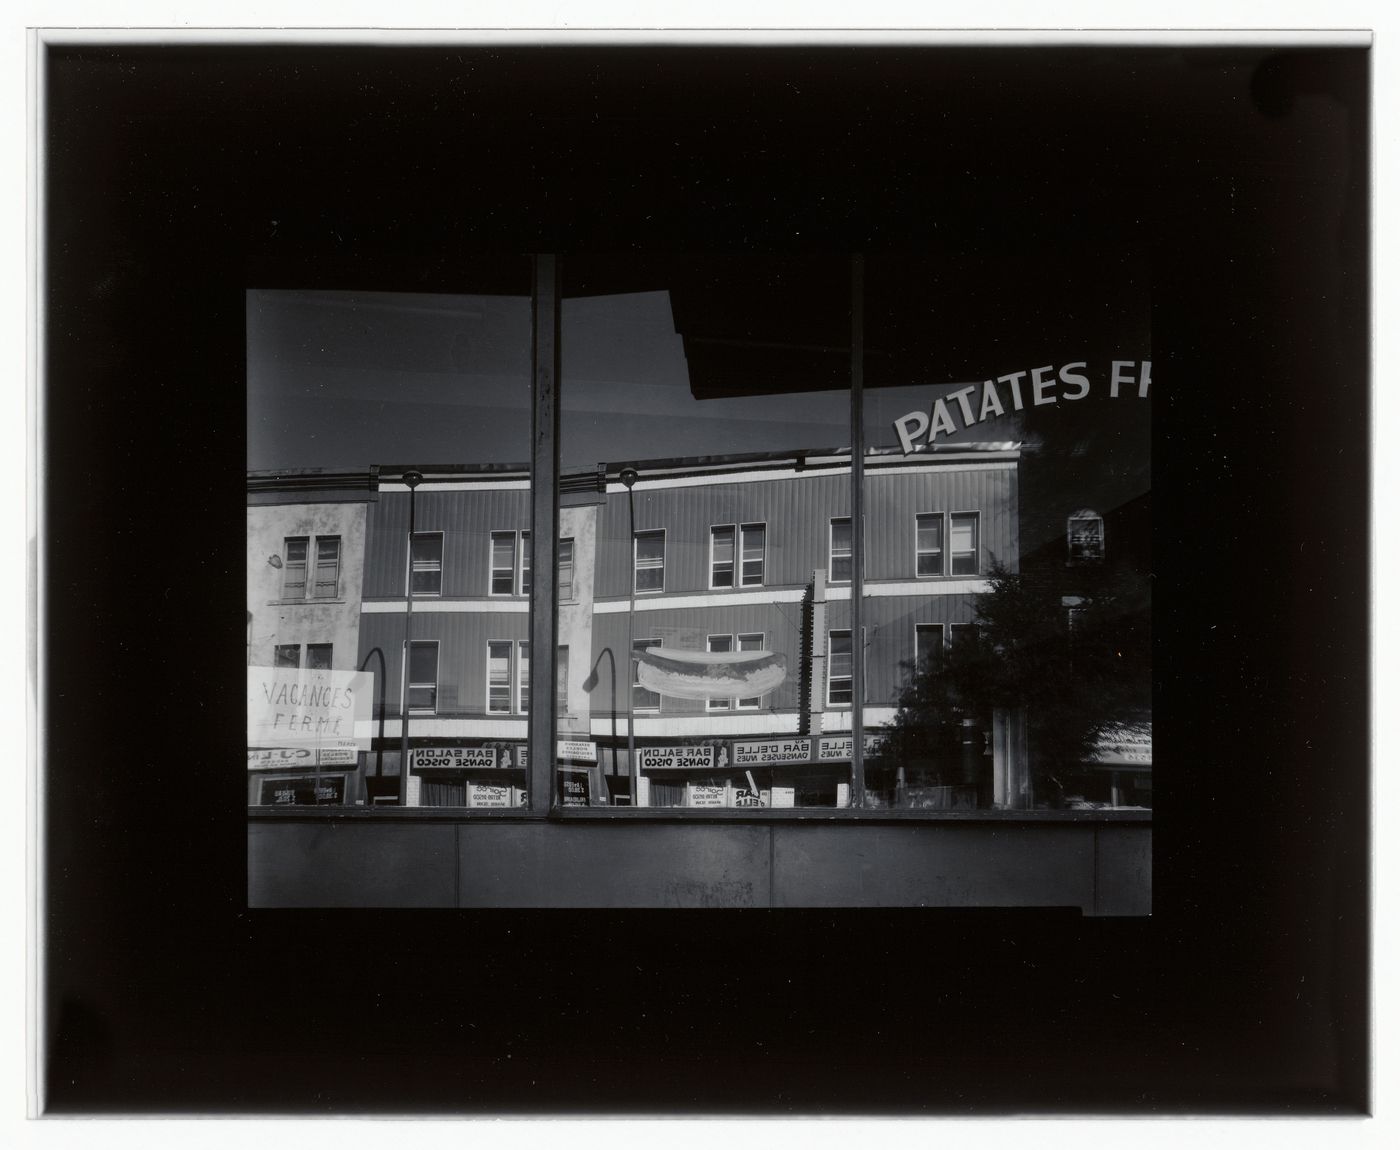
(591, 683)
(413, 479)
(383, 676)
(628, 476)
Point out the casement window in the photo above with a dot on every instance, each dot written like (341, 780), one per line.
(839, 558)
(566, 572)
(502, 562)
(425, 563)
(294, 549)
(750, 539)
(649, 562)
(1085, 536)
(318, 656)
(928, 643)
(928, 545)
(964, 633)
(508, 677)
(287, 655)
(327, 584)
(962, 541)
(423, 677)
(840, 669)
(642, 699)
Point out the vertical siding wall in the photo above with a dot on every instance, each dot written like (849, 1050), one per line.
(466, 519)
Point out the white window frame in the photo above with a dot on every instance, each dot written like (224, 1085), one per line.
(437, 676)
(756, 702)
(509, 645)
(522, 677)
(733, 563)
(492, 569)
(976, 517)
(830, 662)
(742, 580)
(634, 684)
(313, 563)
(522, 565)
(573, 569)
(719, 705)
(408, 565)
(636, 537)
(305, 563)
(941, 645)
(942, 549)
(831, 555)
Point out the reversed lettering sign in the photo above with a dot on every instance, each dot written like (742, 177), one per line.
(702, 795)
(294, 707)
(841, 747)
(768, 751)
(573, 788)
(578, 751)
(337, 756)
(676, 758)
(490, 794)
(452, 758)
(304, 790)
(1125, 746)
(281, 758)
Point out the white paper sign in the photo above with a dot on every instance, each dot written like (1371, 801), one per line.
(293, 707)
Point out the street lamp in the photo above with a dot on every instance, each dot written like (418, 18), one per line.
(628, 476)
(413, 479)
(592, 682)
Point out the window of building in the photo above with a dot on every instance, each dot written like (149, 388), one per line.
(928, 642)
(561, 680)
(719, 644)
(721, 556)
(502, 562)
(327, 585)
(649, 568)
(522, 677)
(928, 545)
(498, 676)
(318, 656)
(524, 563)
(287, 655)
(425, 563)
(753, 539)
(964, 633)
(839, 561)
(840, 670)
(566, 572)
(423, 677)
(642, 699)
(1085, 537)
(963, 543)
(752, 642)
(294, 551)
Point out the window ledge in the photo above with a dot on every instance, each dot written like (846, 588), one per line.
(827, 815)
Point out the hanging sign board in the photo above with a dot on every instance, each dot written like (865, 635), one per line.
(766, 752)
(294, 707)
(452, 758)
(676, 758)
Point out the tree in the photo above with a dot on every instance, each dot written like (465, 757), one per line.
(1069, 646)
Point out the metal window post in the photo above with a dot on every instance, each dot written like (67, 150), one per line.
(413, 479)
(857, 530)
(628, 475)
(544, 526)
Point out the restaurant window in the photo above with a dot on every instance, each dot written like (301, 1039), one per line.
(287, 655)
(649, 567)
(928, 545)
(566, 571)
(928, 642)
(294, 551)
(839, 557)
(318, 656)
(502, 562)
(423, 677)
(425, 564)
(963, 543)
(643, 699)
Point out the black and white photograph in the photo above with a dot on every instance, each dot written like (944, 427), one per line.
(709, 645)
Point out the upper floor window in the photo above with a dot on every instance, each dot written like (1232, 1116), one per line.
(294, 550)
(928, 545)
(507, 677)
(524, 563)
(287, 655)
(425, 563)
(318, 656)
(649, 561)
(928, 642)
(839, 561)
(502, 562)
(423, 677)
(750, 538)
(964, 634)
(1085, 537)
(840, 670)
(566, 570)
(963, 543)
(327, 584)
(642, 699)
(752, 642)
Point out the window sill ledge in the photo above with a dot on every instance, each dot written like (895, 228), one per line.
(826, 815)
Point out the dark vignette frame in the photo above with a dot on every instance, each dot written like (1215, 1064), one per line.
(1247, 990)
